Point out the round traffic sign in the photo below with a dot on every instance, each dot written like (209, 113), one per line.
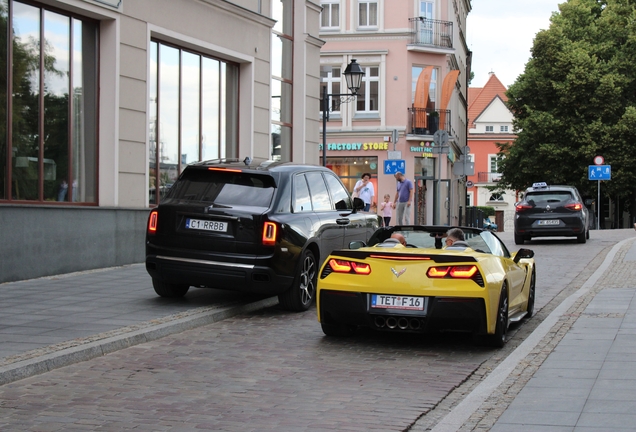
(598, 160)
(469, 183)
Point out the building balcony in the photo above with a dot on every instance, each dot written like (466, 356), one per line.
(488, 177)
(431, 35)
(426, 121)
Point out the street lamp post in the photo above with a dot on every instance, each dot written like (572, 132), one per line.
(353, 75)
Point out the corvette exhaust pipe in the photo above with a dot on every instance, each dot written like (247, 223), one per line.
(380, 321)
(403, 323)
(414, 324)
(391, 323)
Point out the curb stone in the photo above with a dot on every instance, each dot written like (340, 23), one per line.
(77, 350)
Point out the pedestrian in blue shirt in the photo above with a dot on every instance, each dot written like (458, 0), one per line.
(403, 199)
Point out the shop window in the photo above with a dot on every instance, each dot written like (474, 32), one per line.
(52, 136)
(282, 80)
(350, 170)
(193, 112)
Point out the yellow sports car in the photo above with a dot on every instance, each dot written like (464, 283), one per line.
(433, 281)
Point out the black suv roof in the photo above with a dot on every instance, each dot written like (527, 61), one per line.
(256, 164)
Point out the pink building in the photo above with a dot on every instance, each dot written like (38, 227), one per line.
(416, 60)
(490, 122)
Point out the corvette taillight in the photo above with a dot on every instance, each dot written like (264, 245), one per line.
(455, 272)
(152, 222)
(574, 206)
(269, 233)
(343, 266)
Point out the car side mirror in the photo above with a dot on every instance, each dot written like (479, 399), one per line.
(523, 253)
(357, 244)
(358, 204)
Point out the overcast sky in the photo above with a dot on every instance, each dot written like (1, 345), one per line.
(500, 34)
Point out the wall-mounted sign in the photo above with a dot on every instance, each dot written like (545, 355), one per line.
(356, 146)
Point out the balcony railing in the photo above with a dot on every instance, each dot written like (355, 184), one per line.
(488, 177)
(425, 121)
(431, 32)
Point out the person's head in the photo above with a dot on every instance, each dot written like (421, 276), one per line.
(366, 176)
(387, 197)
(399, 176)
(399, 237)
(453, 235)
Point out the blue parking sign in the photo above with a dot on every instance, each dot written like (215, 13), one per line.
(599, 172)
(392, 166)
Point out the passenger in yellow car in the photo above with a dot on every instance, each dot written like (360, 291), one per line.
(399, 237)
(455, 239)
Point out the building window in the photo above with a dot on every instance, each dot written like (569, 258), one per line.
(330, 15)
(496, 197)
(426, 27)
(193, 112)
(368, 95)
(431, 97)
(503, 129)
(368, 13)
(494, 169)
(282, 80)
(332, 78)
(50, 120)
(490, 128)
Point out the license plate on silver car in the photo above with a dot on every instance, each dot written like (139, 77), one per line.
(549, 222)
(383, 301)
(206, 225)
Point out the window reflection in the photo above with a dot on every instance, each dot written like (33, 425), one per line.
(281, 82)
(49, 103)
(193, 112)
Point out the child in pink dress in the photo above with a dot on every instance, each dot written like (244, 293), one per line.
(387, 209)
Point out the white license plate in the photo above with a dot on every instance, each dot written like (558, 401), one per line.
(549, 222)
(382, 301)
(206, 225)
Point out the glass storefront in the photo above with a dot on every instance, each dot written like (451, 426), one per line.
(350, 169)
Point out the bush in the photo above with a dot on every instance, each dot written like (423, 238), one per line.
(488, 211)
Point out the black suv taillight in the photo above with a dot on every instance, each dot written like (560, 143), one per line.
(152, 222)
(270, 230)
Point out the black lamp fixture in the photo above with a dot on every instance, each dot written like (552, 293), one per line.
(353, 75)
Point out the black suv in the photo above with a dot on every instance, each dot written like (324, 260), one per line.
(551, 211)
(262, 227)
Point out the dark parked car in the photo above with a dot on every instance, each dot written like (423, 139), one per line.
(261, 227)
(551, 211)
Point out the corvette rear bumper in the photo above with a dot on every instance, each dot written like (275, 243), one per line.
(441, 313)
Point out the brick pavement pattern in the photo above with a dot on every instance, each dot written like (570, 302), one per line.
(240, 375)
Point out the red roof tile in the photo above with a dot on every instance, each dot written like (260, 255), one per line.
(480, 98)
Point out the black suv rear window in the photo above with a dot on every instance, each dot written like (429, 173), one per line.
(224, 188)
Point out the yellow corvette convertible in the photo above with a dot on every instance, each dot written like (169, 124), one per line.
(423, 285)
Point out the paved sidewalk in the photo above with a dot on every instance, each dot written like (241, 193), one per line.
(55, 321)
(576, 372)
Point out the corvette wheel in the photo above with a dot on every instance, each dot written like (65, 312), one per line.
(301, 295)
(336, 330)
(498, 339)
(531, 294)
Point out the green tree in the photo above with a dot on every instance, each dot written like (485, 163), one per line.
(577, 99)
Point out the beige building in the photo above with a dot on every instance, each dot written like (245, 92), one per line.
(108, 100)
